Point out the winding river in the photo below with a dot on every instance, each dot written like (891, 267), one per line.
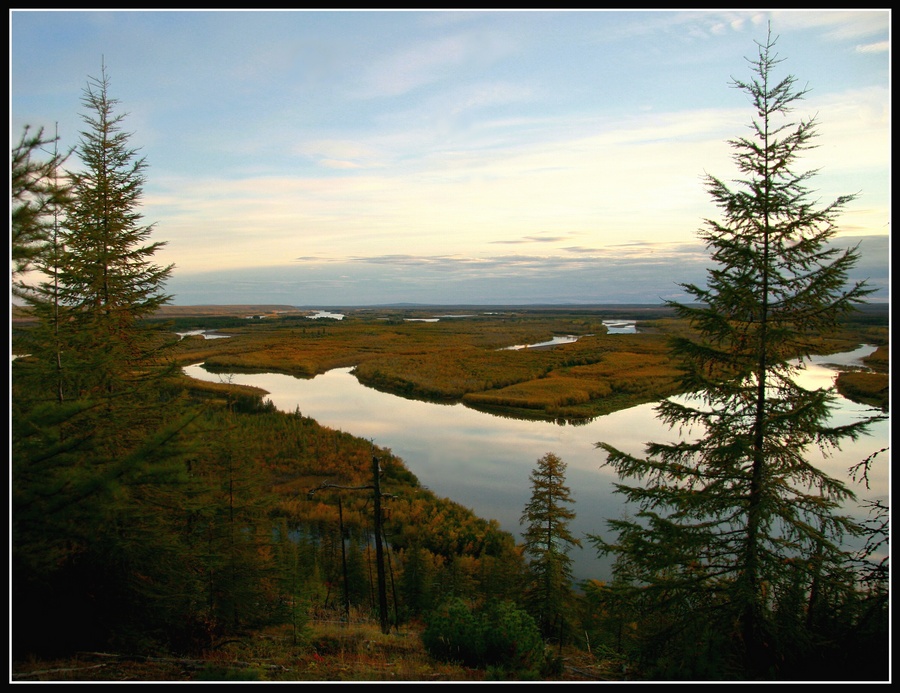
(483, 461)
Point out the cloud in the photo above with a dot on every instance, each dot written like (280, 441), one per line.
(453, 169)
(878, 47)
(533, 239)
(633, 272)
(587, 188)
(342, 153)
(430, 60)
(692, 26)
(445, 281)
(836, 25)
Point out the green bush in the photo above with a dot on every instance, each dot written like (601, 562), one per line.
(500, 635)
(453, 634)
(511, 638)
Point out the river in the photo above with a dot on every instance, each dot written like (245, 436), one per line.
(483, 461)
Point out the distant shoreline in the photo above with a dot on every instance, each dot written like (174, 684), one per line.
(612, 310)
(206, 310)
(258, 309)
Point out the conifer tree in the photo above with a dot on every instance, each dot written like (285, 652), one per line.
(95, 445)
(737, 533)
(40, 197)
(231, 538)
(416, 579)
(37, 192)
(547, 544)
(108, 281)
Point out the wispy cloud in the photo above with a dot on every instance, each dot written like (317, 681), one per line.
(431, 144)
(533, 239)
(342, 154)
(631, 273)
(877, 47)
(420, 64)
(549, 190)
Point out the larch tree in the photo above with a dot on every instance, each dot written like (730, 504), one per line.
(37, 194)
(548, 540)
(109, 281)
(737, 541)
(40, 195)
(96, 432)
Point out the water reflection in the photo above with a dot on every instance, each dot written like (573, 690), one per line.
(206, 334)
(555, 341)
(483, 461)
(620, 326)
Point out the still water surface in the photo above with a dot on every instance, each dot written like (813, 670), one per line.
(483, 461)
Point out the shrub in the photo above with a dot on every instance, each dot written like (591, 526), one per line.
(501, 636)
(511, 638)
(453, 634)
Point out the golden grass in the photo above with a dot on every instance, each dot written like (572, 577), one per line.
(545, 393)
(867, 388)
(323, 651)
(464, 360)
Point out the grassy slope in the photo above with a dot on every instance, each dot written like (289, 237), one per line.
(323, 652)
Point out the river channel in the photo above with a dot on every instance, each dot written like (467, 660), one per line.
(483, 461)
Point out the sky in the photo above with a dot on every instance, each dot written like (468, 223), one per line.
(341, 158)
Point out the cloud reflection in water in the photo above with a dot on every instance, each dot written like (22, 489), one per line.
(483, 461)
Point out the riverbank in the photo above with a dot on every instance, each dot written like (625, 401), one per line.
(483, 460)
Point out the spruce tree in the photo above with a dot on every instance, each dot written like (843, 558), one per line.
(738, 535)
(547, 544)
